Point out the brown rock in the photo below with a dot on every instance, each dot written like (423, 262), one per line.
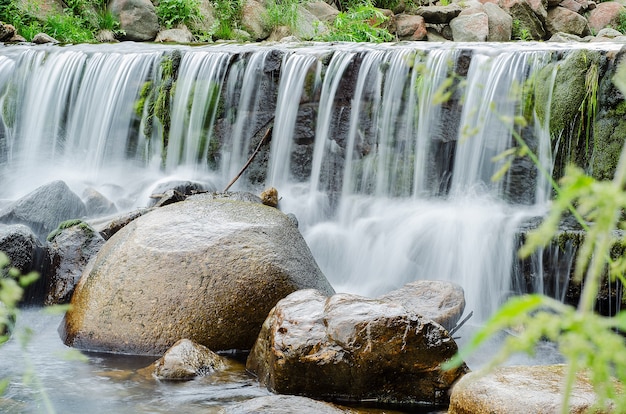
(269, 197)
(186, 360)
(563, 20)
(351, 347)
(7, 31)
(410, 27)
(605, 15)
(207, 270)
(470, 27)
(500, 23)
(519, 390)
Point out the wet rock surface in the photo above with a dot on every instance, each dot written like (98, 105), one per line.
(519, 390)
(283, 404)
(352, 348)
(69, 251)
(202, 269)
(186, 360)
(439, 301)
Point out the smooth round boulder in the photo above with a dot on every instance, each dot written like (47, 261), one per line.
(520, 390)
(202, 269)
(347, 347)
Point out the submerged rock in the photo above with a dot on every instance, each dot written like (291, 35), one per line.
(348, 347)
(520, 390)
(283, 404)
(202, 269)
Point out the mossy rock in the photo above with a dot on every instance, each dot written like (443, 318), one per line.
(568, 97)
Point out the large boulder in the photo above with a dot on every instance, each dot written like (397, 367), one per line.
(564, 20)
(254, 20)
(69, 250)
(439, 301)
(472, 27)
(355, 348)
(520, 390)
(531, 15)
(500, 23)
(43, 209)
(138, 19)
(606, 14)
(203, 269)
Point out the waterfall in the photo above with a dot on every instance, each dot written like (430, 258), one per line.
(383, 152)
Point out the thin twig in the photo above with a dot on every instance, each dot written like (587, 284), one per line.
(458, 326)
(256, 151)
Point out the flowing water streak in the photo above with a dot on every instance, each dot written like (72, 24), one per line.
(488, 118)
(295, 69)
(378, 243)
(334, 74)
(429, 77)
(247, 107)
(195, 107)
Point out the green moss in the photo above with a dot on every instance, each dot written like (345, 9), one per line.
(609, 133)
(70, 223)
(9, 106)
(573, 106)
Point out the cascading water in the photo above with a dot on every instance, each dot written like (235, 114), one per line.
(384, 153)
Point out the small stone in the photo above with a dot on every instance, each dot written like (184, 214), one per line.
(186, 360)
(269, 197)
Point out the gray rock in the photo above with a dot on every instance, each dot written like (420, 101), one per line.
(106, 36)
(609, 33)
(351, 347)
(531, 15)
(69, 251)
(253, 20)
(470, 27)
(108, 226)
(500, 23)
(308, 25)
(283, 404)
(519, 390)
(202, 269)
(322, 10)
(186, 360)
(42, 38)
(177, 35)
(27, 254)
(43, 209)
(97, 204)
(439, 14)
(7, 31)
(137, 19)
(439, 301)
(563, 20)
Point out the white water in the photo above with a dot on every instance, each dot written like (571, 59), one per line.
(382, 219)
